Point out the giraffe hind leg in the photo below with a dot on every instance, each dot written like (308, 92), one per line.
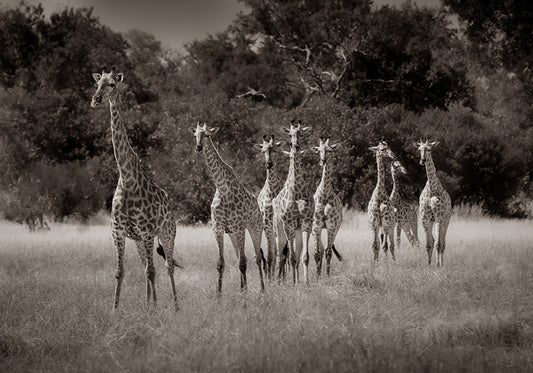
(119, 242)
(168, 236)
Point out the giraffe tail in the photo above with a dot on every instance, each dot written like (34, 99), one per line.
(161, 252)
(337, 254)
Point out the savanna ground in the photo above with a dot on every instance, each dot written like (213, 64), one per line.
(475, 314)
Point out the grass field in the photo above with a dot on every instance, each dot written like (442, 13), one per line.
(475, 314)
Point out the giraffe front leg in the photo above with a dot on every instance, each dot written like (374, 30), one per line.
(296, 254)
(375, 240)
(219, 236)
(141, 246)
(428, 228)
(283, 250)
(255, 234)
(237, 239)
(271, 255)
(305, 255)
(119, 243)
(319, 249)
(167, 237)
(398, 234)
(442, 229)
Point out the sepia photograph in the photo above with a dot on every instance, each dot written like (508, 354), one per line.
(266, 186)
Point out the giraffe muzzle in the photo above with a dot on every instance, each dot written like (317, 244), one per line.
(97, 100)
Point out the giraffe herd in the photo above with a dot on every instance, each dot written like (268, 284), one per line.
(289, 213)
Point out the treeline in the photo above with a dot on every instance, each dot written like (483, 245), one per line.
(349, 70)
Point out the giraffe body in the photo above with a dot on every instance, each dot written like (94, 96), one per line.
(380, 212)
(140, 209)
(405, 214)
(233, 210)
(435, 206)
(328, 209)
(270, 190)
(293, 210)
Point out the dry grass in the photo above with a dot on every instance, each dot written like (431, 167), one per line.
(475, 314)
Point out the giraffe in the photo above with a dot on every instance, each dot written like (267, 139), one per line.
(380, 213)
(435, 205)
(140, 209)
(405, 215)
(293, 210)
(328, 208)
(270, 190)
(233, 210)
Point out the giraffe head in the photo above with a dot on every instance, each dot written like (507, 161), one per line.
(397, 168)
(106, 86)
(324, 148)
(268, 147)
(295, 132)
(200, 133)
(382, 150)
(425, 149)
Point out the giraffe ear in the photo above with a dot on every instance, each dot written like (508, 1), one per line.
(416, 145)
(96, 76)
(192, 130)
(286, 129)
(279, 143)
(286, 152)
(334, 146)
(258, 146)
(305, 129)
(302, 151)
(434, 143)
(214, 130)
(373, 148)
(119, 77)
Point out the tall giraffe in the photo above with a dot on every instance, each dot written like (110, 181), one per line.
(406, 218)
(380, 213)
(233, 210)
(435, 205)
(328, 208)
(140, 210)
(293, 209)
(270, 190)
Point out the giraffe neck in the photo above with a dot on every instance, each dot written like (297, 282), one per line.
(293, 176)
(326, 182)
(220, 172)
(380, 185)
(273, 179)
(395, 183)
(124, 154)
(433, 181)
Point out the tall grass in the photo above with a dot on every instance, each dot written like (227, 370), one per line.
(475, 314)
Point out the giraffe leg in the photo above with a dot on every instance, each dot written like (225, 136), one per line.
(271, 255)
(219, 236)
(237, 239)
(296, 255)
(255, 234)
(442, 229)
(150, 272)
(283, 250)
(390, 233)
(305, 255)
(289, 234)
(167, 237)
(428, 228)
(319, 248)
(331, 234)
(398, 228)
(375, 240)
(141, 250)
(119, 242)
